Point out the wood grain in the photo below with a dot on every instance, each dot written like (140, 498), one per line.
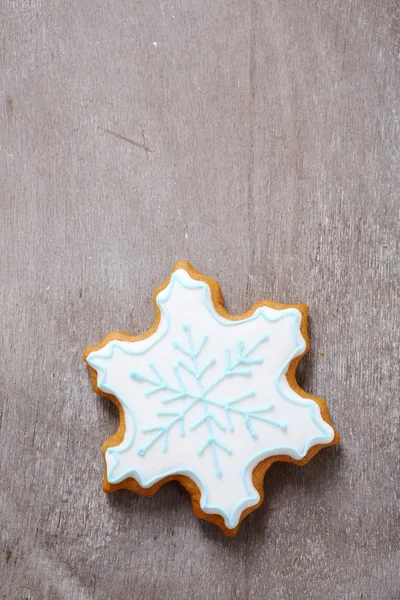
(259, 141)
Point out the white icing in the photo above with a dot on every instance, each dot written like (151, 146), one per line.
(188, 302)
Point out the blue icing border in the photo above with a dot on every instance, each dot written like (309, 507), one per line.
(231, 519)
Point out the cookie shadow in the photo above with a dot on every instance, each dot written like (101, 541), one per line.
(281, 480)
(170, 508)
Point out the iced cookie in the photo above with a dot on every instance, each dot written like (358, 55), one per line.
(208, 399)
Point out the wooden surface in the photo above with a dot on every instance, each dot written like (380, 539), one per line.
(259, 141)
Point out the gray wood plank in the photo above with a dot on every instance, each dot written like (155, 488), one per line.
(258, 140)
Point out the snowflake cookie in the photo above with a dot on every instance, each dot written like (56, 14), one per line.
(208, 399)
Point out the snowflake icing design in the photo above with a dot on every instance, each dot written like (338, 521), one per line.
(241, 367)
(207, 397)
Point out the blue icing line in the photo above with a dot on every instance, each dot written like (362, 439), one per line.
(209, 419)
(232, 518)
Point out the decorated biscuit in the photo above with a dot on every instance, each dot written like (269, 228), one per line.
(208, 399)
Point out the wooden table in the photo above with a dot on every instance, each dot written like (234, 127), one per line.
(259, 141)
